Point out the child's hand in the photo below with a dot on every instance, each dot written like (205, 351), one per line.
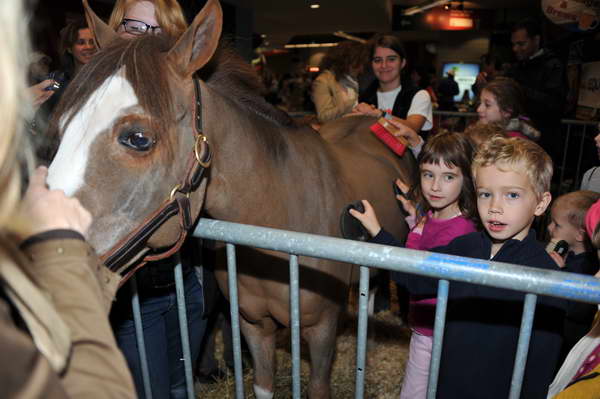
(405, 131)
(407, 204)
(558, 259)
(368, 219)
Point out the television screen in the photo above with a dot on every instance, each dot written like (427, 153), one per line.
(464, 75)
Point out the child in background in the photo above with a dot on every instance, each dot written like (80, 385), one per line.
(568, 224)
(446, 201)
(579, 376)
(480, 132)
(501, 101)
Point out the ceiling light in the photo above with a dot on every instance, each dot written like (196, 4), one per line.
(424, 7)
(447, 7)
(315, 5)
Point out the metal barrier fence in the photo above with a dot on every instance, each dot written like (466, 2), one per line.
(445, 267)
(578, 148)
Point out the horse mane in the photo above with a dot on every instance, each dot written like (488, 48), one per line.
(234, 78)
(227, 73)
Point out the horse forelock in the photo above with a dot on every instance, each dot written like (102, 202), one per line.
(141, 60)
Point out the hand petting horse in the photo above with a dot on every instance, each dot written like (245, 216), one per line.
(136, 126)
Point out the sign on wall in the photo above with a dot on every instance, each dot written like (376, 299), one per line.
(574, 15)
(589, 88)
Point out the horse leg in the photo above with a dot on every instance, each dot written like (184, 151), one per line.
(321, 343)
(260, 338)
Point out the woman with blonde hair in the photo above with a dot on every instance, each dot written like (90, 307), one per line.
(129, 17)
(55, 337)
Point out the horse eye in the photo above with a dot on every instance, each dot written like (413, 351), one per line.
(136, 140)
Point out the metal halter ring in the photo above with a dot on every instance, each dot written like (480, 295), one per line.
(175, 190)
(200, 138)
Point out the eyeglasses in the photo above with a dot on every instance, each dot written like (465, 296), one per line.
(135, 27)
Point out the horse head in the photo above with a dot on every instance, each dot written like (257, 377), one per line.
(126, 124)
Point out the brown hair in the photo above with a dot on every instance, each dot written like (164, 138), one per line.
(455, 150)
(169, 15)
(387, 41)
(226, 73)
(480, 132)
(68, 37)
(517, 154)
(342, 58)
(509, 96)
(577, 204)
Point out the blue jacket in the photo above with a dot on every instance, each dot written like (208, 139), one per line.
(482, 325)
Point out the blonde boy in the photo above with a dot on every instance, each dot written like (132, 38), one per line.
(512, 180)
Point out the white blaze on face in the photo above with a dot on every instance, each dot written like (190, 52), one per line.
(98, 114)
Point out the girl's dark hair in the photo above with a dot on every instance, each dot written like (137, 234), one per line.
(68, 37)
(343, 57)
(455, 150)
(387, 41)
(509, 95)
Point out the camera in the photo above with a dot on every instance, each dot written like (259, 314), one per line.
(53, 87)
(58, 78)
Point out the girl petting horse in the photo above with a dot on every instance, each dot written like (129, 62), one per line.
(444, 209)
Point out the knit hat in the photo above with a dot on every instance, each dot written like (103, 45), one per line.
(592, 217)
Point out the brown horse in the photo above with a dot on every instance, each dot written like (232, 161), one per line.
(125, 124)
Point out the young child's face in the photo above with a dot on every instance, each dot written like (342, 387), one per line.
(441, 186)
(507, 202)
(489, 111)
(560, 228)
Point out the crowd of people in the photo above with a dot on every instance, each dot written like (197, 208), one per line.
(479, 195)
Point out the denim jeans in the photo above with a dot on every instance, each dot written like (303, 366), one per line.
(162, 337)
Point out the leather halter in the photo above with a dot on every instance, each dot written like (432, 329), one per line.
(133, 251)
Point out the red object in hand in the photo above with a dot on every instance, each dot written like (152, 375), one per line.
(383, 130)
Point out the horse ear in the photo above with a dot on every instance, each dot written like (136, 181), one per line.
(103, 34)
(199, 42)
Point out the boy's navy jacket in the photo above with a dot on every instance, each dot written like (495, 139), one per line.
(482, 324)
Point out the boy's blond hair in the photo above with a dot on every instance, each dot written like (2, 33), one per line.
(519, 155)
(480, 132)
(576, 204)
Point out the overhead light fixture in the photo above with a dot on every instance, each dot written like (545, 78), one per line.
(315, 5)
(447, 7)
(310, 45)
(424, 7)
(346, 36)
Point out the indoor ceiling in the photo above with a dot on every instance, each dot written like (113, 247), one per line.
(280, 20)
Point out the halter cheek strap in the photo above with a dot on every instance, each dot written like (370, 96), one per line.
(134, 250)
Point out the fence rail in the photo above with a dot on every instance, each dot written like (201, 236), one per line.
(444, 267)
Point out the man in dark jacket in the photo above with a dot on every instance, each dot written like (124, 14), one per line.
(543, 77)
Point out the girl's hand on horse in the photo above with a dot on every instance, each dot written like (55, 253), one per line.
(366, 109)
(405, 131)
(52, 209)
(408, 205)
(368, 219)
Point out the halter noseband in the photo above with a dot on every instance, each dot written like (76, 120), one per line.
(132, 252)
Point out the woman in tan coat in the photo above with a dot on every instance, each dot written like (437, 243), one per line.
(55, 338)
(335, 90)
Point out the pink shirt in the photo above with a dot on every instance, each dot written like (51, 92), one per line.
(436, 233)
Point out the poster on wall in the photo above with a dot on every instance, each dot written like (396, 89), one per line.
(574, 15)
(589, 88)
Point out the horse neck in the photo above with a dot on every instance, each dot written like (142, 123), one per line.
(259, 167)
